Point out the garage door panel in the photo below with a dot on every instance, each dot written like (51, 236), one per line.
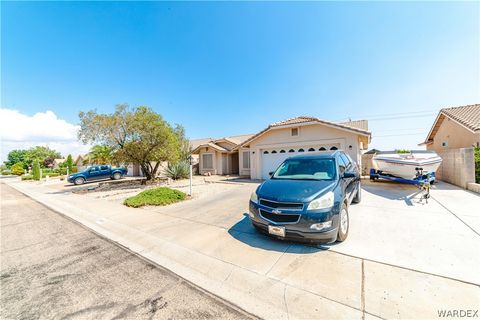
(272, 158)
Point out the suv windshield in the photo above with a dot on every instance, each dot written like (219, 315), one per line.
(306, 169)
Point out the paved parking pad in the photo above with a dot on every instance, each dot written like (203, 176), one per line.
(402, 258)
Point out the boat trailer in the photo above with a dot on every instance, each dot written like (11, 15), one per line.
(423, 180)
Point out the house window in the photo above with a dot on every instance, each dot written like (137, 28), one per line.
(282, 151)
(207, 161)
(301, 150)
(246, 159)
(333, 148)
(291, 150)
(311, 149)
(265, 152)
(274, 151)
(322, 149)
(294, 132)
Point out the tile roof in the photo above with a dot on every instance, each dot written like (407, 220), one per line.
(469, 115)
(304, 119)
(210, 142)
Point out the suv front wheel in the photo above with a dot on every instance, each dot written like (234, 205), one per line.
(343, 224)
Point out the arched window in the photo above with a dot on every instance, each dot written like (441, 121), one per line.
(301, 150)
(333, 148)
(322, 149)
(265, 152)
(291, 150)
(282, 151)
(311, 149)
(274, 151)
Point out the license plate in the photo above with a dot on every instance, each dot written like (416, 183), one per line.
(278, 231)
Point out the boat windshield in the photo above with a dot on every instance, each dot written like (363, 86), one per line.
(306, 169)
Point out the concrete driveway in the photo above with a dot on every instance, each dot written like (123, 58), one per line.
(403, 259)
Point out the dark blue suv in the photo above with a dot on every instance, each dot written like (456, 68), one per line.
(307, 198)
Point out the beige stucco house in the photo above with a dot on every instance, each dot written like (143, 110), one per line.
(254, 156)
(218, 156)
(454, 128)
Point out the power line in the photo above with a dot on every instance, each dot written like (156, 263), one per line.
(389, 115)
(399, 135)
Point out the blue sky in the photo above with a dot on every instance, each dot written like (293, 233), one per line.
(226, 68)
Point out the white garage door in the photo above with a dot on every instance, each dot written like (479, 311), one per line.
(272, 158)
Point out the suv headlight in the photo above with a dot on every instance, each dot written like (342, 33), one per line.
(324, 202)
(254, 197)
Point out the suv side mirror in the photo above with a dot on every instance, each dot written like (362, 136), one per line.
(347, 175)
(271, 173)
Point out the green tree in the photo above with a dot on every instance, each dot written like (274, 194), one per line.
(15, 156)
(137, 135)
(40, 153)
(69, 163)
(101, 154)
(36, 170)
(18, 169)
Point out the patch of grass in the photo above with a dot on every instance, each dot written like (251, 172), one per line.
(155, 197)
(27, 177)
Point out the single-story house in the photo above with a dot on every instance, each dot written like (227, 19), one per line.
(256, 155)
(457, 127)
(218, 156)
(57, 162)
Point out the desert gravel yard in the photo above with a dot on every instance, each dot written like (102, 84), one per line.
(402, 259)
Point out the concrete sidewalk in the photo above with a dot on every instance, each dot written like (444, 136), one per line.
(272, 279)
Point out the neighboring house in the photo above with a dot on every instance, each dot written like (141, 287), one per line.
(254, 156)
(454, 128)
(57, 162)
(81, 162)
(218, 156)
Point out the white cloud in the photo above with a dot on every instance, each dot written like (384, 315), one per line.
(20, 131)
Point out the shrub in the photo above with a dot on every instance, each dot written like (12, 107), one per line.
(17, 169)
(52, 174)
(477, 164)
(27, 177)
(179, 170)
(155, 197)
(60, 171)
(74, 169)
(6, 172)
(36, 170)
(403, 151)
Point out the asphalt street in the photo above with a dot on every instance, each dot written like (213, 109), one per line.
(53, 268)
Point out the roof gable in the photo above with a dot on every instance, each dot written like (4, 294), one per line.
(467, 116)
(303, 120)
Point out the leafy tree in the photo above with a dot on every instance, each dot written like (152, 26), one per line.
(15, 156)
(69, 163)
(18, 168)
(101, 154)
(36, 170)
(185, 148)
(136, 135)
(40, 153)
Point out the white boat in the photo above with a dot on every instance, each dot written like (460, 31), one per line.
(405, 165)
